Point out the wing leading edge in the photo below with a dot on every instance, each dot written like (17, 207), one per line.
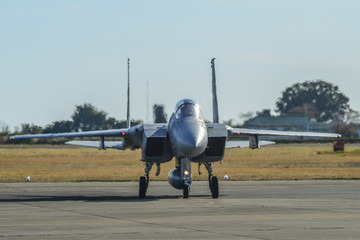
(237, 132)
(100, 133)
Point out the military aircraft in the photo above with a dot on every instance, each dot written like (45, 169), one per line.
(186, 137)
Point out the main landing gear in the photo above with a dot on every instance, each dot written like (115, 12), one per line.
(214, 186)
(143, 184)
(213, 181)
(180, 178)
(144, 180)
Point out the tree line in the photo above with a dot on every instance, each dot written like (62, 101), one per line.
(316, 99)
(86, 117)
(319, 100)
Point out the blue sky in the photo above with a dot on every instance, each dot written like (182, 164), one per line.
(58, 54)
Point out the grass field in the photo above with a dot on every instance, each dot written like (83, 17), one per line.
(83, 164)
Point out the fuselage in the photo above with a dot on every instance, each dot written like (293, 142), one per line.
(187, 130)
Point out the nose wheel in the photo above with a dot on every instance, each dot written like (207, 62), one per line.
(186, 191)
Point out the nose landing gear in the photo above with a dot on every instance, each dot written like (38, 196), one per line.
(185, 170)
(186, 190)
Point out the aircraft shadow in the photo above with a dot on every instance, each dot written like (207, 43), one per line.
(30, 198)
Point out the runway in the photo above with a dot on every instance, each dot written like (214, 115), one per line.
(244, 210)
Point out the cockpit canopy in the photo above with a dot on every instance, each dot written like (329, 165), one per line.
(187, 108)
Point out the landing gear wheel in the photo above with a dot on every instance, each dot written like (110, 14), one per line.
(214, 187)
(186, 191)
(142, 187)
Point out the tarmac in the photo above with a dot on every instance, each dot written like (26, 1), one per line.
(244, 210)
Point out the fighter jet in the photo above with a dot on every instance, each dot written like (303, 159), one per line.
(186, 138)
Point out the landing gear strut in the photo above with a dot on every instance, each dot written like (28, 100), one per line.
(213, 181)
(186, 189)
(185, 171)
(144, 180)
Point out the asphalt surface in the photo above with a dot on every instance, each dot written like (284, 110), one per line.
(244, 210)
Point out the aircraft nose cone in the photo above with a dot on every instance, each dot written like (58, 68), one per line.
(192, 142)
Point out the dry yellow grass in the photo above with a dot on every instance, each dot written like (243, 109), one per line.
(83, 164)
(291, 163)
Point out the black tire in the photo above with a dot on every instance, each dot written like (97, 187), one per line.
(214, 187)
(186, 191)
(142, 187)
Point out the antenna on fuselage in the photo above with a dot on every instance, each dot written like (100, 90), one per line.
(128, 97)
(214, 96)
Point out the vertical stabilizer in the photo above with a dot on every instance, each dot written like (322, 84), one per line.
(214, 96)
(147, 102)
(128, 97)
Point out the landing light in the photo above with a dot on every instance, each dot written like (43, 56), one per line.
(238, 133)
(123, 133)
(186, 172)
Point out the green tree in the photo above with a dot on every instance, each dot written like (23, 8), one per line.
(264, 113)
(323, 99)
(4, 128)
(229, 122)
(4, 132)
(346, 129)
(88, 118)
(159, 113)
(134, 122)
(27, 128)
(112, 123)
(59, 126)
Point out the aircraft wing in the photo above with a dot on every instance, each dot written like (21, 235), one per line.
(238, 132)
(245, 144)
(114, 132)
(95, 144)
